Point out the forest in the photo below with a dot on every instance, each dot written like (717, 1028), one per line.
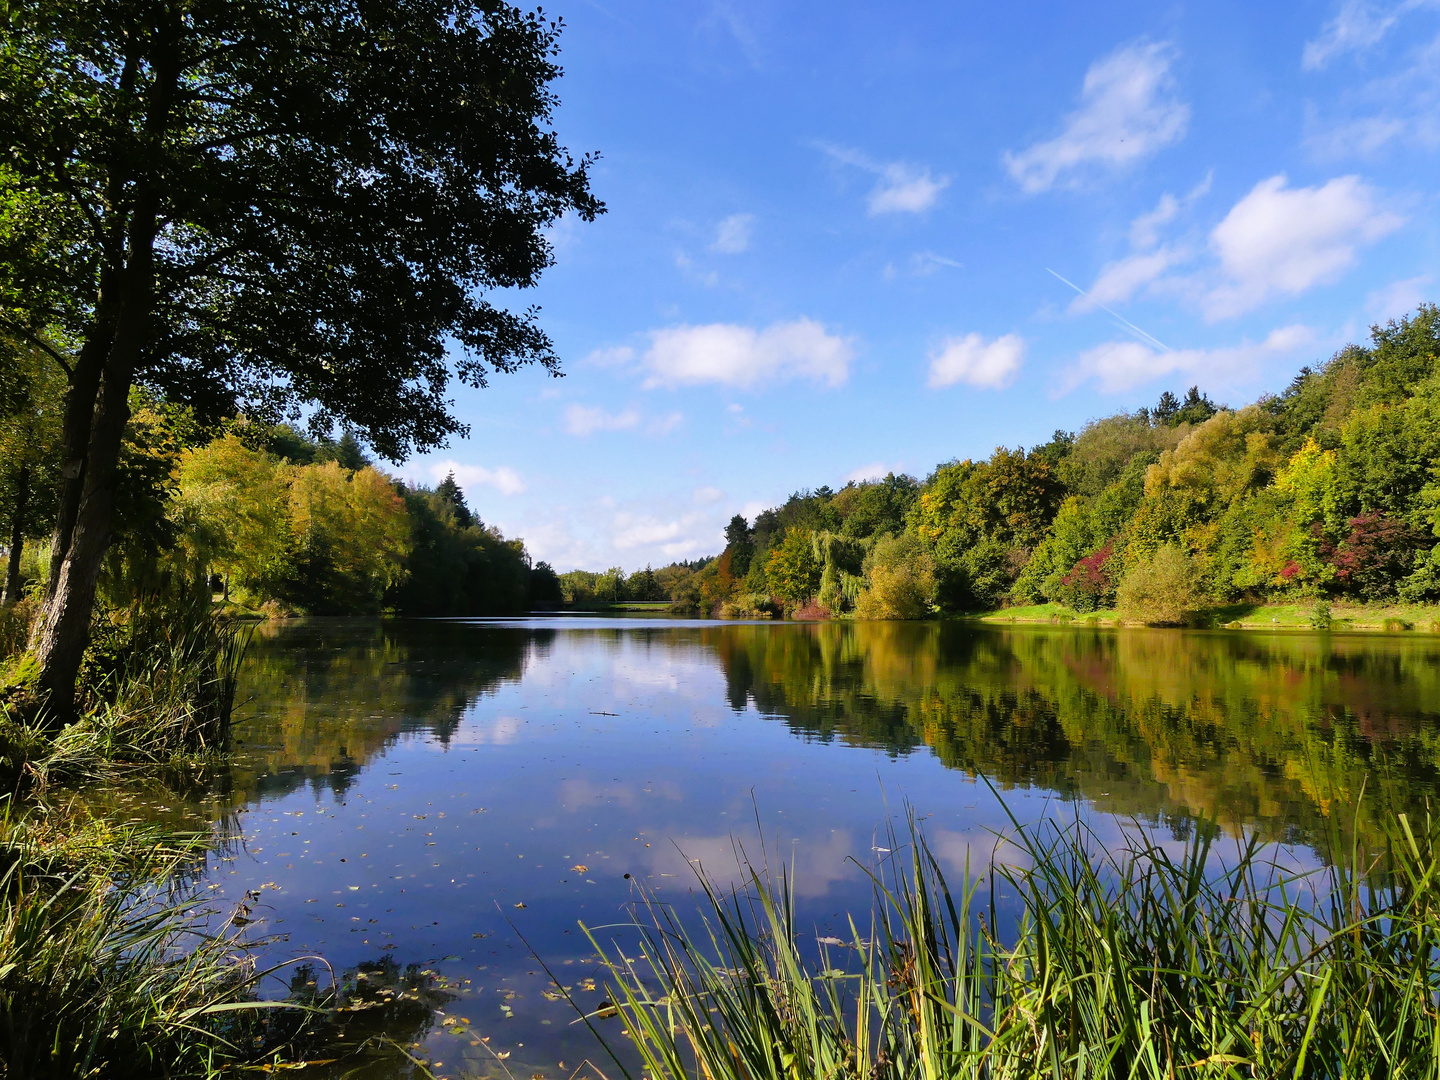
(276, 521)
(1328, 490)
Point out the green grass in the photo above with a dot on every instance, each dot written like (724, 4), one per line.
(108, 968)
(1288, 616)
(1139, 964)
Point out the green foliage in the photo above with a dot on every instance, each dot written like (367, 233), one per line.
(316, 247)
(982, 520)
(1161, 589)
(1126, 961)
(792, 570)
(900, 581)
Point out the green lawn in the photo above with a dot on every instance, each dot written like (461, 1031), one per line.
(1291, 616)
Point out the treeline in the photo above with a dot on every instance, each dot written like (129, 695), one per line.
(1327, 490)
(270, 517)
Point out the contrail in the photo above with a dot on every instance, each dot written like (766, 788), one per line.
(1148, 337)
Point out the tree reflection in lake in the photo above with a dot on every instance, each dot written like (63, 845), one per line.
(1272, 730)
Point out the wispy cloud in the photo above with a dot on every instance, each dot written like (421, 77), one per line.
(1117, 366)
(742, 356)
(1277, 241)
(582, 420)
(901, 188)
(732, 236)
(1358, 25)
(1128, 110)
(876, 470)
(502, 478)
(973, 360)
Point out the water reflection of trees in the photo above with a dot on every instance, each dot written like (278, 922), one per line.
(323, 697)
(1277, 730)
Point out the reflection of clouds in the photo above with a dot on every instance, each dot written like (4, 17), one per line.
(499, 731)
(581, 794)
(975, 851)
(812, 863)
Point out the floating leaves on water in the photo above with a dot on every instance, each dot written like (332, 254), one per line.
(503, 1054)
(552, 995)
(606, 1010)
(829, 941)
(832, 973)
(521, 904)
(579, 868)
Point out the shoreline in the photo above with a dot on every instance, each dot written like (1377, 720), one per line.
(1366, 618)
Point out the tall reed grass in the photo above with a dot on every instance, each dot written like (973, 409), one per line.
(157, 688)
(1065, 961)
(108, 966)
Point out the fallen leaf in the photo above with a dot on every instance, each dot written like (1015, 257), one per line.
(579, 868)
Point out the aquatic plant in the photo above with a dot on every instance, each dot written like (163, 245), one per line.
(1062, 960)
(108, 966)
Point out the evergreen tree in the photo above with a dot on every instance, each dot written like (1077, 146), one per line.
(450, 492)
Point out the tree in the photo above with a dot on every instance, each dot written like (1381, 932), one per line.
(31, 385)
(739, 542)
(450, 493)
(792, 570)
(256, 205)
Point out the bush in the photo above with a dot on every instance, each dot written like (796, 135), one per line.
(1379, 552)
(1087, 587)
(901, 581)
(1161, 589)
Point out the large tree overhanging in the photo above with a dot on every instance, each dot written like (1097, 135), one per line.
(252, 204)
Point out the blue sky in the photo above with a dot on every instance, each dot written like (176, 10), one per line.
(845, 238)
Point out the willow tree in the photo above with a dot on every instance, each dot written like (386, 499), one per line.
(270, 207)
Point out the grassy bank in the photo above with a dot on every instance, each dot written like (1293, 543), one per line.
(1424, 618)
(1057, 960)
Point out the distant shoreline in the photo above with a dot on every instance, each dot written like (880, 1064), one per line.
(1381, 618)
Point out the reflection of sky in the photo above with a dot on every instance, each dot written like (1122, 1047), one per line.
(611, 763)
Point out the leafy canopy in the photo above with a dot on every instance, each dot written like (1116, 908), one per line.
(334, 188)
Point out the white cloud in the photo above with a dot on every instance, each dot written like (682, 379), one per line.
(1128, 111)
(1280, 241)
(1120, 280)
(973, 360)
(1399, 106)
(664, 425)
(502, 478)
(733, 234)
(902, 188)
(1117, 366)
(1357, 26)
(905, 189)
(742, 356)
(707, 495)
(1399, 298)
(876, 470)
(587, 419)
(611, 356)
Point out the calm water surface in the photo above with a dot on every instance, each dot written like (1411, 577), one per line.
(434, 805)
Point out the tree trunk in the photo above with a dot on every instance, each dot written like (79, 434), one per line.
(63, 630)
(17, 535)
(97, 405)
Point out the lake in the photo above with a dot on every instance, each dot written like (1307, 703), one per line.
(435, 807)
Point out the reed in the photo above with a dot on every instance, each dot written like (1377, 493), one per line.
(108, 966)
(1067, 961)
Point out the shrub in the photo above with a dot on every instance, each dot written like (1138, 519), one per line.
(901, 581)
(1378, 553)
(1087, 586)
(1161, 589)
